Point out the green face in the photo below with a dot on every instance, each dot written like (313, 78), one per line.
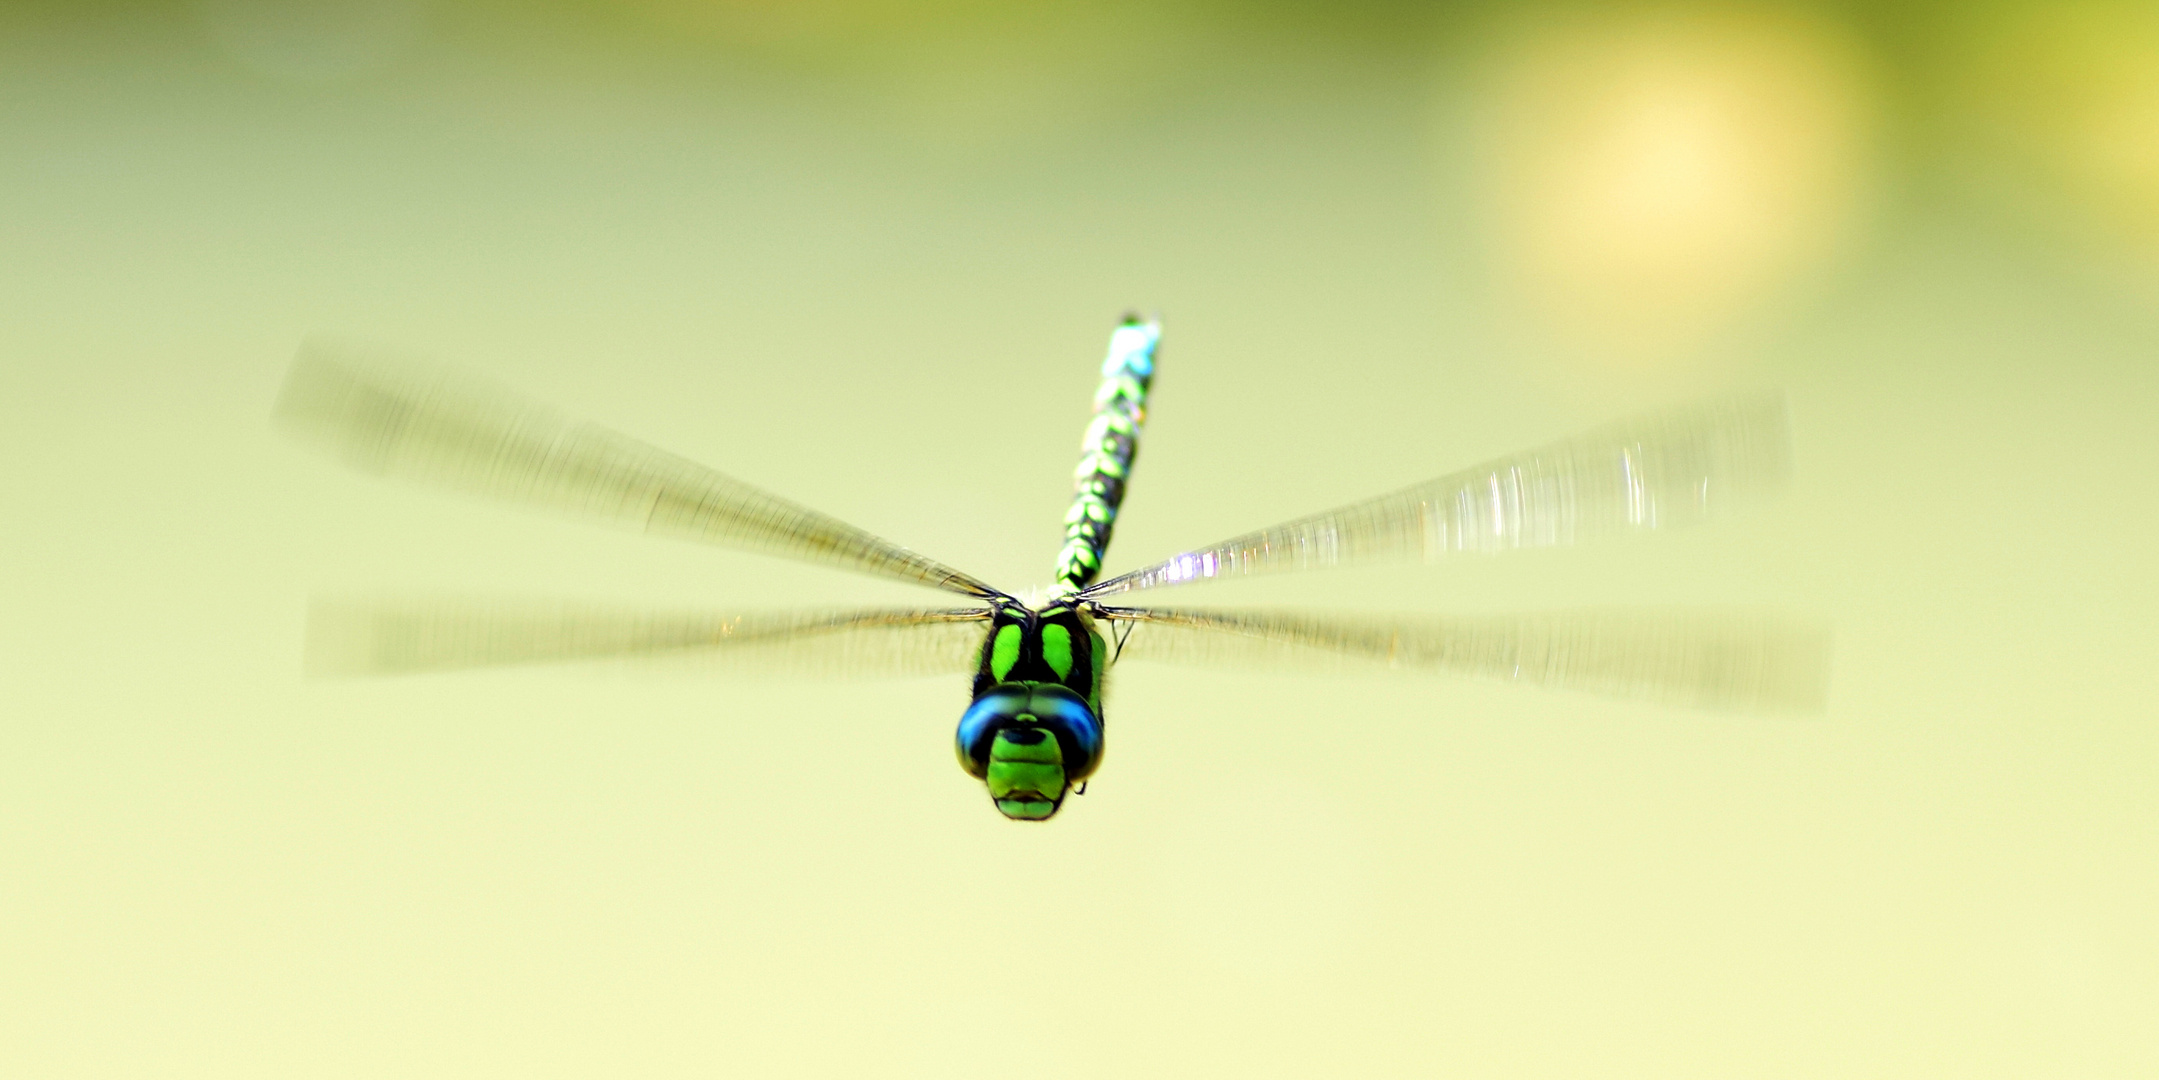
(1026, 774)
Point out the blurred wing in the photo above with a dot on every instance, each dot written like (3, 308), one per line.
(392, 636)
(1648, 473)
(1741, 661)
(397, 421)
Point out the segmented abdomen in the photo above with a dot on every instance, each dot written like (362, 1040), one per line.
(1120, 406)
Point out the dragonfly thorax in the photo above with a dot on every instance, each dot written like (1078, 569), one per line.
(1034, 728)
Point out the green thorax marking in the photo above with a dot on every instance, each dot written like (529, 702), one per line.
(1057, 650)
(1005, 651)
(1100, 653)
(1053, 645)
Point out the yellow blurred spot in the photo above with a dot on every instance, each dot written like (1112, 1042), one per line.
(1656, 176)
(2073, 91)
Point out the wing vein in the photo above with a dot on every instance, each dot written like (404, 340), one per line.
(391, 635)
(396, 420)
(1732, 659)
(1648, 473)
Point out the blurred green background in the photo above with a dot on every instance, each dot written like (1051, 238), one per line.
(867, 254)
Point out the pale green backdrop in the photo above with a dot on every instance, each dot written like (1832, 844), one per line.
(867, 254)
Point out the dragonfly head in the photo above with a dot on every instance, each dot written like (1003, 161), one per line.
(1029, 742)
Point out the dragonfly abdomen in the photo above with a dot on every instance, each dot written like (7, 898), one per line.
(1106, 453)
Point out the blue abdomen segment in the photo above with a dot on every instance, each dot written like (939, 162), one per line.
(1120, 407)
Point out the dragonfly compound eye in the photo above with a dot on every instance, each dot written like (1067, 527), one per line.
(1029, 742)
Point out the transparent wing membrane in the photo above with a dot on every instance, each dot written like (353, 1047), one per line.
(395, 420)
(1734, 660)
(1647, 473)
(396, 636)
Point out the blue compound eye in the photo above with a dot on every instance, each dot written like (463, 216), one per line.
(1056, 710)
(999, 706)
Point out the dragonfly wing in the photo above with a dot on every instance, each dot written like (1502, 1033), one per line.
(396, 636)
(1647, 473)
(394, 420)
(1732, 660)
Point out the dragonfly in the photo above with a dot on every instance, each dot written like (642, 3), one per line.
(1032, 731)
